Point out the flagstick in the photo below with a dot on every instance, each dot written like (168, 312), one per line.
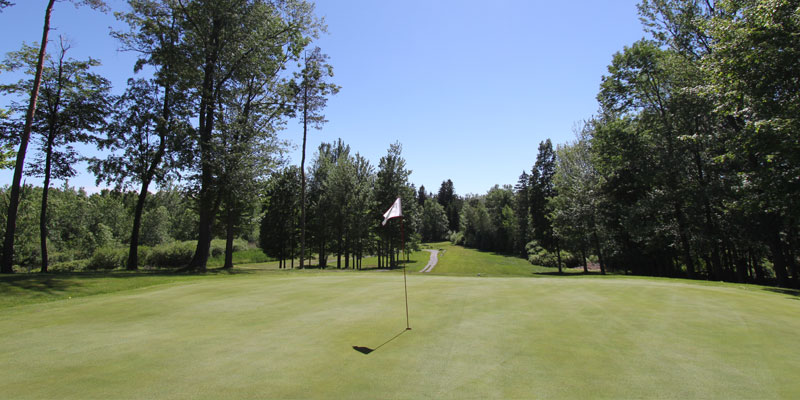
(405, 284)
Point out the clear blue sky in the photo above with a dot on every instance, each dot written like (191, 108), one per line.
(469, 88)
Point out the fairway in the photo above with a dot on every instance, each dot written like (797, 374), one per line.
(459, 260)
(274, 335)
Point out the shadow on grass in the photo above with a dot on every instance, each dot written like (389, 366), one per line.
(567, 273)
(494, 253)
(789, 292)
(366, 350)
(54, 282)
(45, 283)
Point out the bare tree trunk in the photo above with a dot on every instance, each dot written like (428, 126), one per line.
(583, 257)
(133, 250)
(558, 257)
(778, 261)
(45, 192)
(599, 252)
(229, 239)
(7, 266)
(303, 179)
(684, 237)
(206, 207)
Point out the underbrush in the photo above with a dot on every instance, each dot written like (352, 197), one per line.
(164, 256)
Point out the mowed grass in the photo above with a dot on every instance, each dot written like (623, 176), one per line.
(20, 289)
(458, 260)
(291, 335)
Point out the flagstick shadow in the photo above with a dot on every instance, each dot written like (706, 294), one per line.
(367, 350)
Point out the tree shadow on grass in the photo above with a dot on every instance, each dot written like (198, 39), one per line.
(44, 283)
(790, 292)
(56, 282)
(366, 350)
(567, 273)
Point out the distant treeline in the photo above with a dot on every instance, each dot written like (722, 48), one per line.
(346, 197)
(690, 169)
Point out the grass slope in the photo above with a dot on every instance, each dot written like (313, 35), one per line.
(458, 260)
(291, 335)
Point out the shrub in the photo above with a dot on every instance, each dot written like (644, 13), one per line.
(537, 255)
(107, 258)
(69, 266)
(218, 246)
(457, 238)
(144, 255)
(171, 255)
(58, 257)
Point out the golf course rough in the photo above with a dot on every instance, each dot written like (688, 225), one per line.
(292, 336)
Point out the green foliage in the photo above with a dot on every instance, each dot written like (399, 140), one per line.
(456, 238)
(68, 266)
(103, 237)
(171, 255)
(434, 221)
(155, 227)
(105, 258)
(538, 255)
(280, 226)
(218, 246)
(245, 256)
(452, 204)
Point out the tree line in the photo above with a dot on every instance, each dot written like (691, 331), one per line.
(345, 201)
(207, 117)
(689, 169)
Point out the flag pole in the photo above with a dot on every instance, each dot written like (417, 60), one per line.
(405, 284)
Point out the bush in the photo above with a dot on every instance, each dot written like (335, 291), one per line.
(144, 255)
(107, 258)
(457, 238)
(218, 246)
(69, 266)
(171, 255)
(58, 257)
(537, 255)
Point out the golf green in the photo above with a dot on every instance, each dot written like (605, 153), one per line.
(296, 335)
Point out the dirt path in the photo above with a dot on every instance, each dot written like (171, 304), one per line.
(432, 262)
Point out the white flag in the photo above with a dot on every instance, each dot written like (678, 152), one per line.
(396, 210)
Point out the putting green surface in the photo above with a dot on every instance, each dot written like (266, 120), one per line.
(292, 335)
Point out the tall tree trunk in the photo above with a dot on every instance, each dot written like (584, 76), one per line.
(778, 261)
(339, 250)
(303, 179)
(596, 241)
(229, 239)
(45, 192)
(757, 269)
(206, 127)
(133, 249)
(346, 254)
(558, 257)
(51, 138)
(684, 238)
(7, 266)
(291, 239)
(583, 257)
